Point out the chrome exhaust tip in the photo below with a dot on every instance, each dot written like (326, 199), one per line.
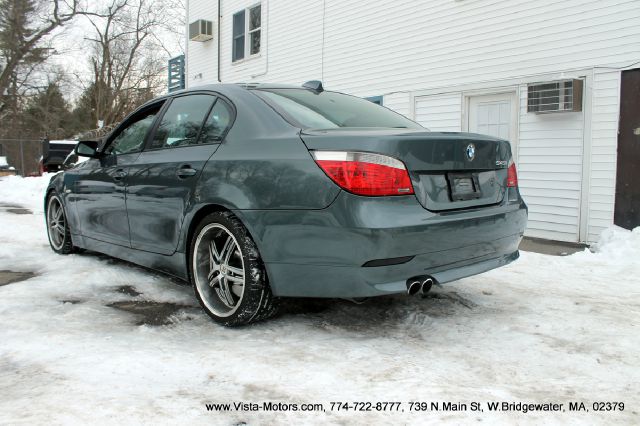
(426, 285)
(413, 287)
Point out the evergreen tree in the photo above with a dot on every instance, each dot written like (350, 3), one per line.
(47, 114)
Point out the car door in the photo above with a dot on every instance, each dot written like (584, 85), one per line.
(99, 188)
(162, 179)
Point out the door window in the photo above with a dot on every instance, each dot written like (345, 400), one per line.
(495, 115)
(131, 138)
(217, 123)
(494, 119)
(181, 123)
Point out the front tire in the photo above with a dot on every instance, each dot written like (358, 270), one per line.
(227, 272)
(57, 226)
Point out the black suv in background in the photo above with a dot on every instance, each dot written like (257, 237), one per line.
(54, 153)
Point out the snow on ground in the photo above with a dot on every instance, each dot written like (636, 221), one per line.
(544, 329)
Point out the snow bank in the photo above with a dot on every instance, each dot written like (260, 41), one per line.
(27, 191)
(543, 329)
(619, 244)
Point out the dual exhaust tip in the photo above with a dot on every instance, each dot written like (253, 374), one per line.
(420, 285)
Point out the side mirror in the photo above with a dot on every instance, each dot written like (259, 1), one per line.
(70, 161)
(88, 149)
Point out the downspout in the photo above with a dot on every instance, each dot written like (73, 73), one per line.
(324, 13)
(219, 19)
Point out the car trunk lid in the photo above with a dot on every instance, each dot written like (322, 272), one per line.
(448, 170)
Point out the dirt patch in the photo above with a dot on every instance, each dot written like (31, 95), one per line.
(451, 297)
(10, 277)
(15, 208)
(128, 290)
(151, 313)
(19, 211)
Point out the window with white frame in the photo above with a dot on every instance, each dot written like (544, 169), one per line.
(247, 26)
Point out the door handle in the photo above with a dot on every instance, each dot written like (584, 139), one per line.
(119, 174)
(186, 171)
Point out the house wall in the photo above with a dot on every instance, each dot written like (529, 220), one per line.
(425, 56)
(603, 156)
(550, 170)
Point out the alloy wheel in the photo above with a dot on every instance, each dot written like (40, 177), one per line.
(56, 223)
(218, 268)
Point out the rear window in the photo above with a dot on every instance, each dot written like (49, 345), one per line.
(330, 110)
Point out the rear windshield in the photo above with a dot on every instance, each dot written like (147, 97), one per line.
(330, 110)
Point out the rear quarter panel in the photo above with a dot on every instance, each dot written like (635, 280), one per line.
(262, 164)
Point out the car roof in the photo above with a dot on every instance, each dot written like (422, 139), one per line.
(229, 88)
(225, 89)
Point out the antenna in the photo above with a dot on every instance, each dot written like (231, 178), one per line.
(315, 85)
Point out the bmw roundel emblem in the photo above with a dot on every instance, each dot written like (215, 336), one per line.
(471, 152)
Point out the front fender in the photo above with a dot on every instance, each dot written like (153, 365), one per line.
(56, 183)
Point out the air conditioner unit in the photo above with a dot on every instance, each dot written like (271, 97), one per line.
(555, 96)
(201, 30)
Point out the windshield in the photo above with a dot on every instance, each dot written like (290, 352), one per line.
(330, 110)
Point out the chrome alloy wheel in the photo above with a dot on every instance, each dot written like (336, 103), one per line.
(56, 223)
(218, 269)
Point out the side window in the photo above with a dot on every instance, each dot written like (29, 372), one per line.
(217, 123)
(238, 36)
(254, 29)
(247, 30)
(181, 123)
(131, 138)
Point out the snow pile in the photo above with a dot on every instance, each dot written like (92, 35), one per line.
(27, 192)
(543, 329)
(619, 244)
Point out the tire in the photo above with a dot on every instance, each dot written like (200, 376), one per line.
(229, 278)
(58, 226)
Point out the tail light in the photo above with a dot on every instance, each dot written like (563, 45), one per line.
(512, 175)
(364, 173)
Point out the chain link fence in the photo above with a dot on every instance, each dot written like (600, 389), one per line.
(23, 155)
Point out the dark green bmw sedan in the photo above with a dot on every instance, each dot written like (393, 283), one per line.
(257, 192)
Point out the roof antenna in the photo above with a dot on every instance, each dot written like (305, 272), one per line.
(315, 85)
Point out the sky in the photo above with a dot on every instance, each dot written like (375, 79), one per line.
(71, 47)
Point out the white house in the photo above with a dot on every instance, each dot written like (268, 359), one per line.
(464, 65)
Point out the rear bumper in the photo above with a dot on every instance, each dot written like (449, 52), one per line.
(321, 253)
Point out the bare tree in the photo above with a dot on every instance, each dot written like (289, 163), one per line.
(126, 65)
(25, 27)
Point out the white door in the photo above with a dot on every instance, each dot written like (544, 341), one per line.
(495, 115)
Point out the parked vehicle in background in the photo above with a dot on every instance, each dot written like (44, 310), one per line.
(73, 160)
(265, 191)
(54, 153)
(5, 169)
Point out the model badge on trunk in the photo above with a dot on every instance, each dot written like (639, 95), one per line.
(471, 152)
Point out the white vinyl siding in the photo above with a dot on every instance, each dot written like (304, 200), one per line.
(550, 171)
(425, 56)
(452, 42)
(604, 133)
(400, 102)
(201, 57)
(440, 113)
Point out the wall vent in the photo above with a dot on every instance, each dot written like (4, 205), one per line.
(201, 30)
(555, 96)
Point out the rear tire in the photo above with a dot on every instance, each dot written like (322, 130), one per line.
(57, 226)
(227, 272)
